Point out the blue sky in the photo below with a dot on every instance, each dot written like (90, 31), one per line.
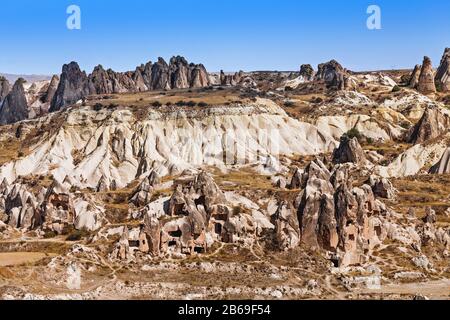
(222, 34)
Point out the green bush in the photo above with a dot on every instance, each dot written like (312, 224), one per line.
(354, 133)
(98, 107)
(77, 235)
(191, 104)
(289, 104)
(396, 89)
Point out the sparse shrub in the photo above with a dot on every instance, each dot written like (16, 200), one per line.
(156, 104)
(405, 125)
(50, 234)
(288, 88)
(396, 89)
(77, 235)
(191, 104)
(354, 133)
(180, 103)
(318, 100)
(237, 210)
(202, 104)
(98, 107)
(369, 140)
(289, 104)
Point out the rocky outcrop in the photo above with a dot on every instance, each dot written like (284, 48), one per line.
(337, 217)
(287, 230)
(307, 72)
(4, 89)
(414, 79)
(179, 74)
(443, 72)
(51, 90)
(433, 123)
(144, 192)
(426, 83)
(349, 150)
(382, 187)
(184, 75)
(443, 166)
(333, 74)
(14, 107)
(71, 88)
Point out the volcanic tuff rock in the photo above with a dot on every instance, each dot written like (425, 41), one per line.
(145, 144)
(337, 217)
(426, 83)
(443, 72)
(287, 230)
(414, 80)
(349, 151)
(14, 107)
(434, 122)
(4, 89)
(443, 166)
(307, 72)
(53, 86)
(71, 88)
(333, 74)
(75, 85)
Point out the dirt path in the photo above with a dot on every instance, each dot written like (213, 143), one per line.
(439, 289)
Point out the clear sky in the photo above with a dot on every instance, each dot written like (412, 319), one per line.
(222, 34)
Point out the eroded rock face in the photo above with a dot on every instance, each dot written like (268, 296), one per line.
(287, 230)
(443, 72)
(333, 215)
(71, 88)
(433, 123)
(443, 166)
(51, 90)
(333, 74)
(349, 151)
(14, 107)
(4, 89)
(179, 74)
(382, 187)
(307, 72)
(144, 192)
(426, 83)
(414, 80)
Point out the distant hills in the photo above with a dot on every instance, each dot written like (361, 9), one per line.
(29, 78)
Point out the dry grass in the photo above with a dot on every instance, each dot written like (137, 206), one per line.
(422, 191)
(146, 99)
